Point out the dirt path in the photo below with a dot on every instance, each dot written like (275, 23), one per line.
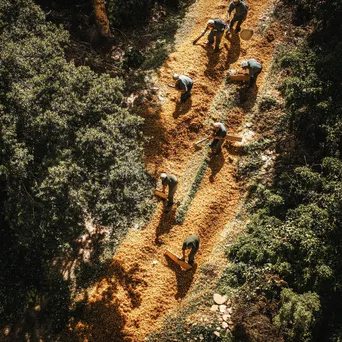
(141, 286)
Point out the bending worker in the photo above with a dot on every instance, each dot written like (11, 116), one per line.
(219, 135)
(217, 27)
(171, 181)
(184, 85)
(240, 14)
(191, 242)
(254, 68)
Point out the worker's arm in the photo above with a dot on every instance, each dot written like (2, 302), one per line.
(180, 85)
(206, 29)
(164, 188)
(183, 255)
(230, 10)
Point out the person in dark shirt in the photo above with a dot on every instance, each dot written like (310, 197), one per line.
(254, 69)
(217, 27)
(241, 10)
(191, 242)
(184, 85)
(171, 181)
(219, 135)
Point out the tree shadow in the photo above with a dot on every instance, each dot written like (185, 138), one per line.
(184, 278)
(215, 164)
(98, 321)
(167, 220)
(182, 108)
(129, 280)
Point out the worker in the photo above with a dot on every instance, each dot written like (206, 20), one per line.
(184, 85)
(240, 14)
(219, 135)
(254, 68)
(217, 27)
(171, 181)
(191, 242)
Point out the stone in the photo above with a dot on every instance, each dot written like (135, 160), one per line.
(223, 308)
(214, 308)
(226, 317)
(225, 325)
(218, 299)
(217, 333)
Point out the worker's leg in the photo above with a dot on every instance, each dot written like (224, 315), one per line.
(191, 257)
(211, 36)
(239, 22)
(219, 146)
(213, 145)
(232, 22)
(171, 195)
(218, 40)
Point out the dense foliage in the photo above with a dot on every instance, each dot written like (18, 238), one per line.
(69, 150)
(294, 237)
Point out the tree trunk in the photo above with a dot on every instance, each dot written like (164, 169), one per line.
(101, 18)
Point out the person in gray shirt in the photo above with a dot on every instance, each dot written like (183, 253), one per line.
(184, 85)
(217, 27)
(219, 135)
(254, 68)
(240, 14)
(171, 181)
(191, 242)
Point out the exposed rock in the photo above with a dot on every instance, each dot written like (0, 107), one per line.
(214, 307)
(217, 333)
(218, 299)
(223, 308)
(225, 325)
(226, 317)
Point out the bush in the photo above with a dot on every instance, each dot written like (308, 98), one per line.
(297, 315)
(69, 151)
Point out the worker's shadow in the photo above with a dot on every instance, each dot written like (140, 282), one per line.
(235, 48)
(184, 278)
(167, 220)
(247, 96)
(182, 108)
(215, 164)
(213, 59)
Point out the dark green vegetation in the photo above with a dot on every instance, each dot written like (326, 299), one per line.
(287, 267)
(69, 150)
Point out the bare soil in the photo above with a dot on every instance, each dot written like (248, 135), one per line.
(141, 285)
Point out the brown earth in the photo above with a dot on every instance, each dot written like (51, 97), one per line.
(141, 285)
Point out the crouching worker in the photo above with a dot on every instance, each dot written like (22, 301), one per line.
(184, 85)
(217, 27)
(191, 242)
(171, 181)
(254, 69)
(219, 135)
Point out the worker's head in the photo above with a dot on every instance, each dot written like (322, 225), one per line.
(244, 64)
(216, 126)
(236, 2)
(163, 176)
(211, 22)
(175, 77)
